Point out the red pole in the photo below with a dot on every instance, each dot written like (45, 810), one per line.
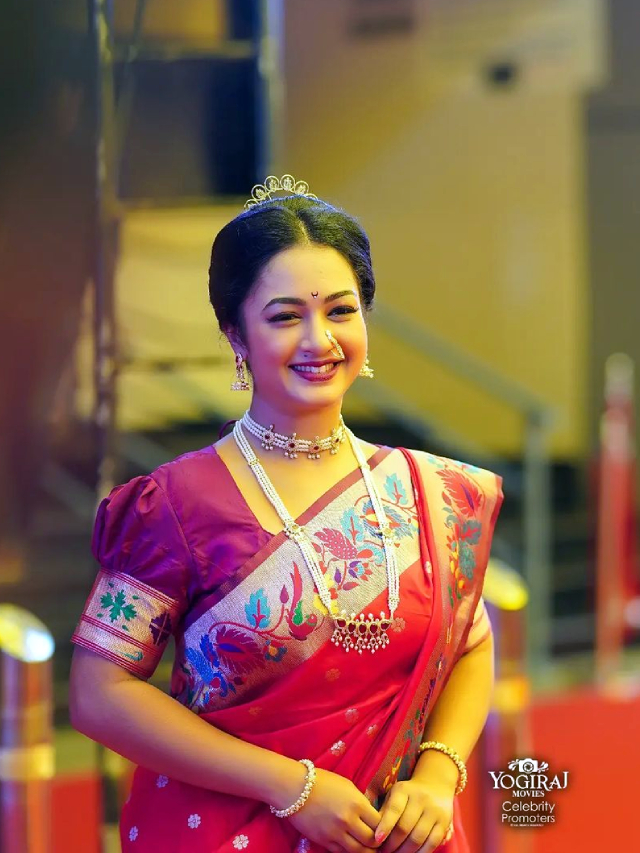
(616, 533)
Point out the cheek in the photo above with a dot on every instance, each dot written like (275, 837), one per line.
(265, 348)
(354, 340)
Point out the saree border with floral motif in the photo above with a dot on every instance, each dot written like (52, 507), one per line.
(459, 505)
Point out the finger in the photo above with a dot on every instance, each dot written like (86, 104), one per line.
(391, 811)
(413, 820)
(363, 833)
(438, 836)
(370, 815)
(416, 839)
(350, 845)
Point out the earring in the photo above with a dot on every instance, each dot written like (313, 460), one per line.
(366, 370)
(241, 383)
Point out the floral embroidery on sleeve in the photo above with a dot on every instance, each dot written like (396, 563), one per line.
(116, 607)
(126, 621)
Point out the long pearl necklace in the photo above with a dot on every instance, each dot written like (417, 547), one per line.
(350, 631)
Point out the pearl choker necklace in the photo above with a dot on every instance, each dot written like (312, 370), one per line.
(291, 444)
(350, 631)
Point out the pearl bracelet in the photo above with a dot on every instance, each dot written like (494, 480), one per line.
(309, 782)
(453, 755)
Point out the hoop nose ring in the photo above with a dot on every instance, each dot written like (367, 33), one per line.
(335, 345)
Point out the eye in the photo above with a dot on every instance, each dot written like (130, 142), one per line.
(285, 315)
(345, 309)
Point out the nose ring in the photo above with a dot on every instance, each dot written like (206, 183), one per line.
(335, 345)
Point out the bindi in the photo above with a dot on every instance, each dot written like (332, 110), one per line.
(314, 293)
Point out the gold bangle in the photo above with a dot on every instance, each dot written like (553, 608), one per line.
(453, 755)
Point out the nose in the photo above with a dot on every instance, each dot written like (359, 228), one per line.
(316, 341)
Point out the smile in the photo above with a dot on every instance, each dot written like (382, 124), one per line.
(316, 373)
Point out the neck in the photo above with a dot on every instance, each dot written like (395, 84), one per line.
(306, 425)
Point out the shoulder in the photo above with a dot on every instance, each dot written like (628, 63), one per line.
(153, 513)
(368, 448)
(167, 490)
(455, 472)
(187, 472)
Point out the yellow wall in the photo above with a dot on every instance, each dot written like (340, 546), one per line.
(473, 196)
(183, 21)
(163, 313)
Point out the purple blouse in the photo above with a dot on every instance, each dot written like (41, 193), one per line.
(172, 543)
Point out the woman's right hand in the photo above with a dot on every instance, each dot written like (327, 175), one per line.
(337, 815)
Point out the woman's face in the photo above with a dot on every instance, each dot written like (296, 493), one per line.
(302, 293)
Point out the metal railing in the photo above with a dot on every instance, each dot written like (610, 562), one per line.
(538, 418)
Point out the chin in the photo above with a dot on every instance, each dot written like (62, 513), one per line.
(317, 399)
(315, 396)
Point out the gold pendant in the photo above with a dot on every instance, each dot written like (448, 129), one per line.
(361, 633)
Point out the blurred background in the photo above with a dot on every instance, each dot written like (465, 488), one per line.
(490, 149)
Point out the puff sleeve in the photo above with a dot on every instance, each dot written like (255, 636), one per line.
(140, 592)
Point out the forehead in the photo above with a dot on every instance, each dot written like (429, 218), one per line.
(296, 271)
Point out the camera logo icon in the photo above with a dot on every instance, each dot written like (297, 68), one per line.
(528, 765)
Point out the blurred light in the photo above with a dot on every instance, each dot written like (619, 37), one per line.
(504, 587)
(23, 635)
(632, 613)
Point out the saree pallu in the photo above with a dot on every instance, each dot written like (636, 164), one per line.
(361, 716)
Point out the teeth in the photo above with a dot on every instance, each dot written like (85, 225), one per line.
(308, 369)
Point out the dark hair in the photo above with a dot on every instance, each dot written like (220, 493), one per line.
(245, 246)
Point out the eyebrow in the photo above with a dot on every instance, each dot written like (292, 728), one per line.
(295, 300)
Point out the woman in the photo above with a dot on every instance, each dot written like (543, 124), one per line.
(315, 655)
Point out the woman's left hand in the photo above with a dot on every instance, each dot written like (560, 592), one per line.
(416, 816)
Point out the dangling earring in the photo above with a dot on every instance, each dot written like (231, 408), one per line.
(241, 383)
(366, 370)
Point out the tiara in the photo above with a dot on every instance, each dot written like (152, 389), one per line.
(287, 183)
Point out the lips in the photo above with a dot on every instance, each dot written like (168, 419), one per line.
(313, 368)
(316, 363)
(316, 372)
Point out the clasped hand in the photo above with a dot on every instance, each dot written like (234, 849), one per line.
(414, 817)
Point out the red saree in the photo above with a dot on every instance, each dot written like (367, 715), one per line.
(253, 656)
